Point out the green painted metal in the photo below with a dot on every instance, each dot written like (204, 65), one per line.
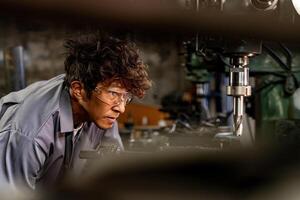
(197, 71)
(273, 104)
(264, 63)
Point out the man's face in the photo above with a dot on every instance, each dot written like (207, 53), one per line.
(105, 104)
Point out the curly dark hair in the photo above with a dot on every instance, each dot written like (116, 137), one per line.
(95, 58)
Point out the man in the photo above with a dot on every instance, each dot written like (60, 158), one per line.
(44, 126)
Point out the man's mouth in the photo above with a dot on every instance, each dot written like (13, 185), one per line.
(111, 119)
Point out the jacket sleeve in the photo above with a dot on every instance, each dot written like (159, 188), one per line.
(113, 135)
(21, 160)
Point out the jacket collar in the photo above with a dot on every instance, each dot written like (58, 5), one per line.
(66, 115)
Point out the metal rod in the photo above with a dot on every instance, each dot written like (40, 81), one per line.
(238, 110)
(18, 60)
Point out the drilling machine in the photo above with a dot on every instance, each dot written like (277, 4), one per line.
(239, 53)
(274, 101)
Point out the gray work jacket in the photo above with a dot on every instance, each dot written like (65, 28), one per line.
(33, 124)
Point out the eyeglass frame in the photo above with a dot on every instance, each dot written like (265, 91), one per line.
(120, 96)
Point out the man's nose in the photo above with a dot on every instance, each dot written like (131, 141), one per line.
(120, 107)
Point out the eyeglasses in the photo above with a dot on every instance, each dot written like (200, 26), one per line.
(111, 97)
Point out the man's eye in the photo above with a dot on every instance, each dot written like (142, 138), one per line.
(113, 94)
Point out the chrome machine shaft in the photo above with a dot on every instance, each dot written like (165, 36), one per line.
(239, 88)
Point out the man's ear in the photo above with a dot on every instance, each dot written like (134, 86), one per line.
(77, 90)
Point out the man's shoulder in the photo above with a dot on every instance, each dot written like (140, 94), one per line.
(31, 90)
(35, 104)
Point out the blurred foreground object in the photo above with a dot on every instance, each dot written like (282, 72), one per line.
(249, 174)
(296, 4)
(165, 16)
